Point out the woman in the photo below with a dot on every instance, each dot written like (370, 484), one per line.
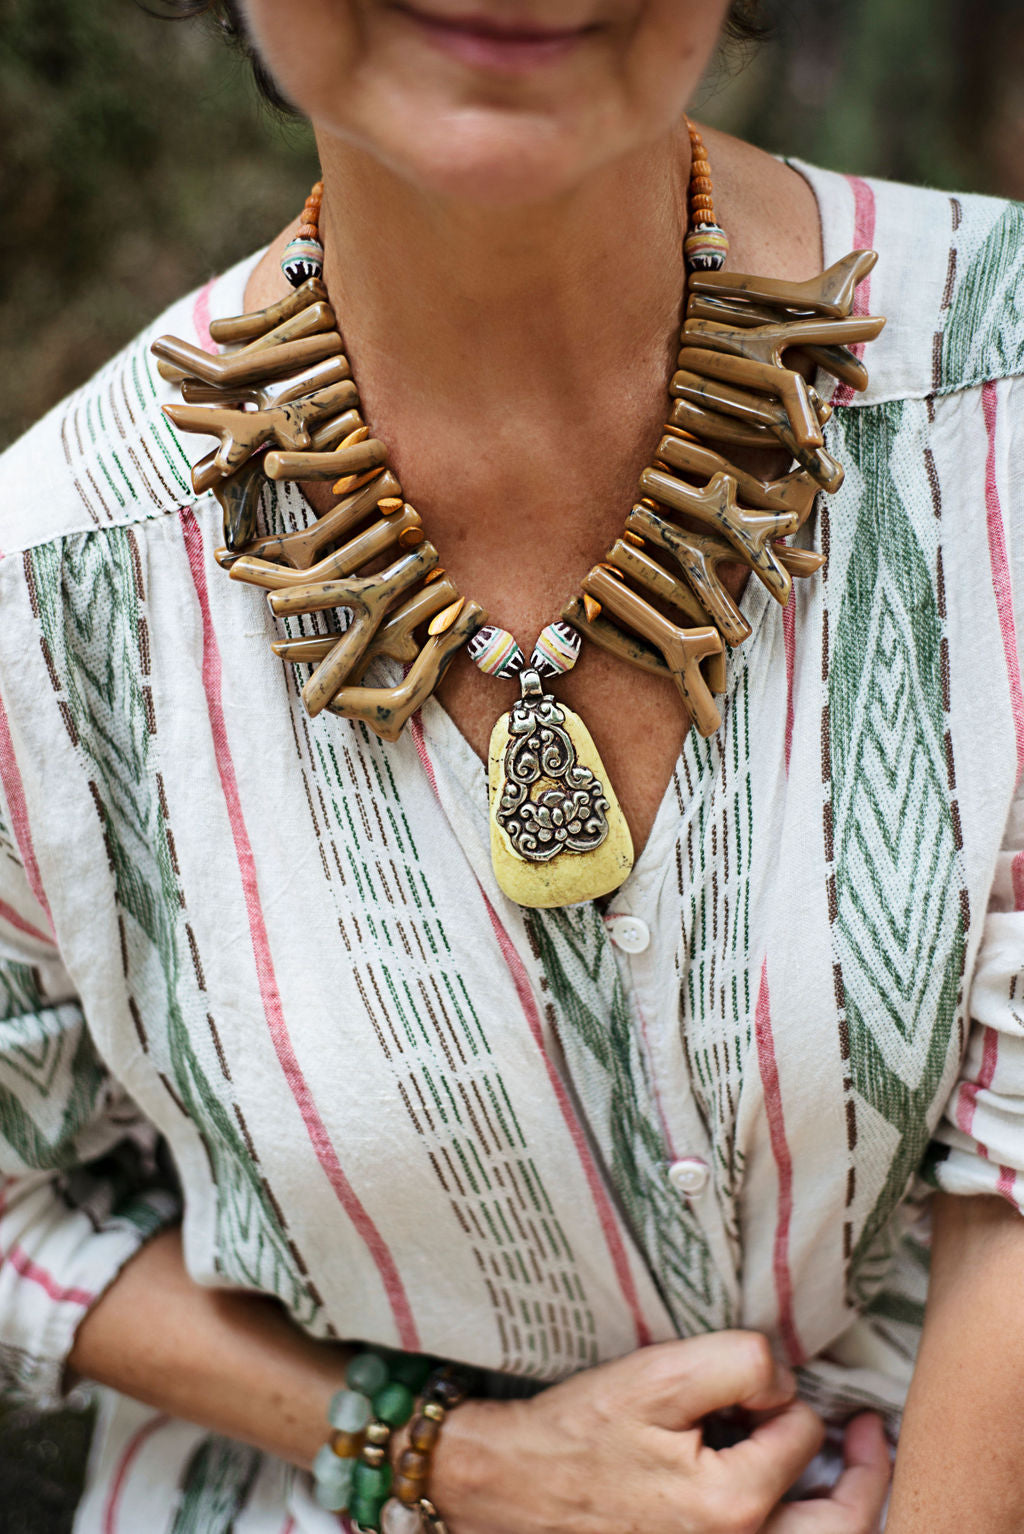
(403, 1108)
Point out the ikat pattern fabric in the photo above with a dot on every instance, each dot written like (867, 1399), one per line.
(252, 963)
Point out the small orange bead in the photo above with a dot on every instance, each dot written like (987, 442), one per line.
(411, 537)
(424, 1432)
(701, 184)
(699, 167)
(308, 232)
(591, 606)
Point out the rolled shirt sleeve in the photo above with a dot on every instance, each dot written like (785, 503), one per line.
(83, 1177)
(980, 1140)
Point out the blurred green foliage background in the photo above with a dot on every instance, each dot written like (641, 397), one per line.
(137, 159)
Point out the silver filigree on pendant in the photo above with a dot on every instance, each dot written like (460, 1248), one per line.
(570, 814)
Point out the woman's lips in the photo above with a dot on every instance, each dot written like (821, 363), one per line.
(487, 44)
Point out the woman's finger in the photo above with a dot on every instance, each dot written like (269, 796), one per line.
(675, 1384)
(855, 1503)
(776, 1454)
(864, 1484)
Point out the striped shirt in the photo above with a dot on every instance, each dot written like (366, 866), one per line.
(255, 966)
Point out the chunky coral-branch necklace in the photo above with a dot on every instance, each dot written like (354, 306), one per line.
(284, 406)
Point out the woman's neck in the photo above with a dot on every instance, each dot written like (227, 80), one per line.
(480, 311)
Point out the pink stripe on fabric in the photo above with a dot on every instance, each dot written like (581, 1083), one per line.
(1001, 584)
(135, 1444)
(789, 645)
(784, 1169)
(14, 792)
(864, 219)
(11, 917)
(598, 1192)
(18, 1259)
(1005, 1184)
(269, 994)
(967, 1099)
(201, 318)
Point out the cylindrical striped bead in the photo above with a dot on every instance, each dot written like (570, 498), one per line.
(495, 651)
(301, 260)
(557, 649)
(706, 248)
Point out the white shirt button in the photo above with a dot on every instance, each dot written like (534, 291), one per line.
(629, 933)
(689, 1175)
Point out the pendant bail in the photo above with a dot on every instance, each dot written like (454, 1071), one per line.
(530, 685)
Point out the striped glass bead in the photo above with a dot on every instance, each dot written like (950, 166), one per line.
(301, 260)
(557, 649)
(495, 651)
(366, 1373)
(349, 1411)
(706, 248)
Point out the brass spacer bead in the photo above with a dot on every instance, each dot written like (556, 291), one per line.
(377, 1433)
(434, 1411)
(373, 1455)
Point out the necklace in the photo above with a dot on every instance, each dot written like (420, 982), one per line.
(284, 406)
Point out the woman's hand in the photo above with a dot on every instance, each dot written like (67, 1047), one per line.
(620, 1448)
(854, 1506)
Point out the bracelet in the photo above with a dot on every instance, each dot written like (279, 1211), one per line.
(444, 1390)
(352, 1473)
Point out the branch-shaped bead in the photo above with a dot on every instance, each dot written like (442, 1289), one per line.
(682, 649)
(831, 292)
(750, 532)
(385, 710)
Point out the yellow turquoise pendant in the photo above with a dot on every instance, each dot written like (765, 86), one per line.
(558, 835)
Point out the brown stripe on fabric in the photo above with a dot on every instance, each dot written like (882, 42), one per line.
(830, 854)
(947, 741)
(944, 672)
(30, 583)
(824, 646)
(851, 1185)
(176, 1100)
(246, 1136)
(825, 525)
(74, 477)
(929, 406)
(478, 1130)
(133, 546)
(100, 809)
(957, 208)
(847, 1240)
(948, 290)
(410, 1110)
(172, 850)
(344, 934)
(161, 793)
(965, 918)
(958, 835)
(414, 1083)
(147, 703)
(196, 961)
(69, 723)
(839, 990)
(122, 938)
(400, 926)
(826, 746)
(851, 1125)
(443, 1010)
(142, 631)
(218, 1046)
(933, 481)
(940, 582)
(50, 667)
(136, 1017)
(172, 491)
(375, 1025)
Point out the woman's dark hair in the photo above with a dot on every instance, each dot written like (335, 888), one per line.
(744, 24)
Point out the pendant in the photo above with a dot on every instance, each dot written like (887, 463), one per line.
(558, 835)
